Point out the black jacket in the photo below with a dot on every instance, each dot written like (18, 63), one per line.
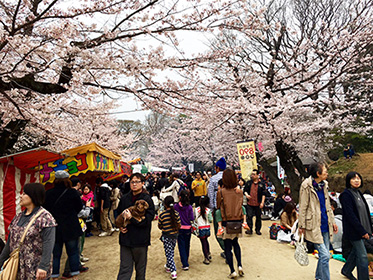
(138, 234)
(352, 228)
(65, 211)
(261, 189)
(162, 182)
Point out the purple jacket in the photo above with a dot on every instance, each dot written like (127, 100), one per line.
(186, 215)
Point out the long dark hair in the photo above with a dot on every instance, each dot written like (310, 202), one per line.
(203, 203)
(288, 209)
(169, 203)
(184, 197)
(350, 176)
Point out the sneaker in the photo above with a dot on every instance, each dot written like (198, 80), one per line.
(173, 275)
(82, 263)
(240, 271)
(66, 275)
(185, 268)
(220, 232)
(84, 259)
(167, 269)
(116, 229)
(209, 257)
(349, 276)
(233, 275)
(206, 261)
(104, 233)
(89, 234)
(249, 232)
(83, 269)
(258, 233)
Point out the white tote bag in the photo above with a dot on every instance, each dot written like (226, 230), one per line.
(300, 254)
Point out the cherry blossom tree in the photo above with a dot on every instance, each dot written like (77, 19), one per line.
(286, 74)
(57, 56)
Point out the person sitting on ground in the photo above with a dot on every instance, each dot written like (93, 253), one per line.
(278, 206)
(289, 216)
(337, 238)
(348, 151)
(369, 199)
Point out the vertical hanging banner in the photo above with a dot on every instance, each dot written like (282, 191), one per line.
(247, 158)
(280, 171)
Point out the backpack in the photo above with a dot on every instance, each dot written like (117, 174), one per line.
(273, 230)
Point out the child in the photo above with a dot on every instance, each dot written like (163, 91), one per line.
(220, 220)
(169, 223)
(203, 218)
(185, 232)
(156, 203)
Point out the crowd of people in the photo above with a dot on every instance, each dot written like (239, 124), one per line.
(185, 204)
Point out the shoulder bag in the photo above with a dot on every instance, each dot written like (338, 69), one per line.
(300, 254)
(10, 267)
(232, 227)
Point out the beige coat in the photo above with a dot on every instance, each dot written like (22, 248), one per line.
(310, 213)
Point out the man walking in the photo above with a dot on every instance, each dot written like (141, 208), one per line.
(254, 192)
(220, 166)
(134, 239)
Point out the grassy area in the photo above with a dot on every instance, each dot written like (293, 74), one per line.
(342, 166)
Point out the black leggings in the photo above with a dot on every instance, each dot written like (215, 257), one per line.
(228, 244)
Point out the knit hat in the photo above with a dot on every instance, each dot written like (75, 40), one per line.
(61, 174)
(221, 164)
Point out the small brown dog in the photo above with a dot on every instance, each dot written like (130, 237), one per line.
(137, 212)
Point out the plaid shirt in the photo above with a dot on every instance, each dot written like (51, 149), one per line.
(213, 189)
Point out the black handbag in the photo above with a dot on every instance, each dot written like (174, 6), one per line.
(232, 227)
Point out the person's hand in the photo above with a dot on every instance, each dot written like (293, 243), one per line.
(335, 228)
(261, 205)
(41, 274)
(88, 203)
(123, 230)
(237, 189)
(248, 196)
(366, 236)
(102, 210)
(301, 231)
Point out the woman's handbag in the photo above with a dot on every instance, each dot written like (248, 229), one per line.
(234, 227)
(300, 254)
(10, 267)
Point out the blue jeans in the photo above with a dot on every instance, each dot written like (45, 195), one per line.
(72, 250)
(322, 270)
(357, 257)
(183, 242)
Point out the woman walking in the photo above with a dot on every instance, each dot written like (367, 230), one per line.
(36, 251)
(64, 203)
(203, 218)
(357, 226)
(316, 219)
(185, 232)
(229, 201)
(169, 223)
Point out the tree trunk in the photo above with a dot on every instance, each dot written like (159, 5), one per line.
(292, 165)
(10, 134)
(272, 174)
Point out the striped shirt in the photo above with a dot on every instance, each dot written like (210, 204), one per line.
(164, 223)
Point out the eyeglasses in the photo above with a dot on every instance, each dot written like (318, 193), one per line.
(135, 182)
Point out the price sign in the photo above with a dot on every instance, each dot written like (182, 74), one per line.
(247, 158)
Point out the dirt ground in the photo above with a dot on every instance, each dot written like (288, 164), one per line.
(262, 258)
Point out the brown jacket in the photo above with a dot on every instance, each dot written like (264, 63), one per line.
(310, 213)
(231, 204)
